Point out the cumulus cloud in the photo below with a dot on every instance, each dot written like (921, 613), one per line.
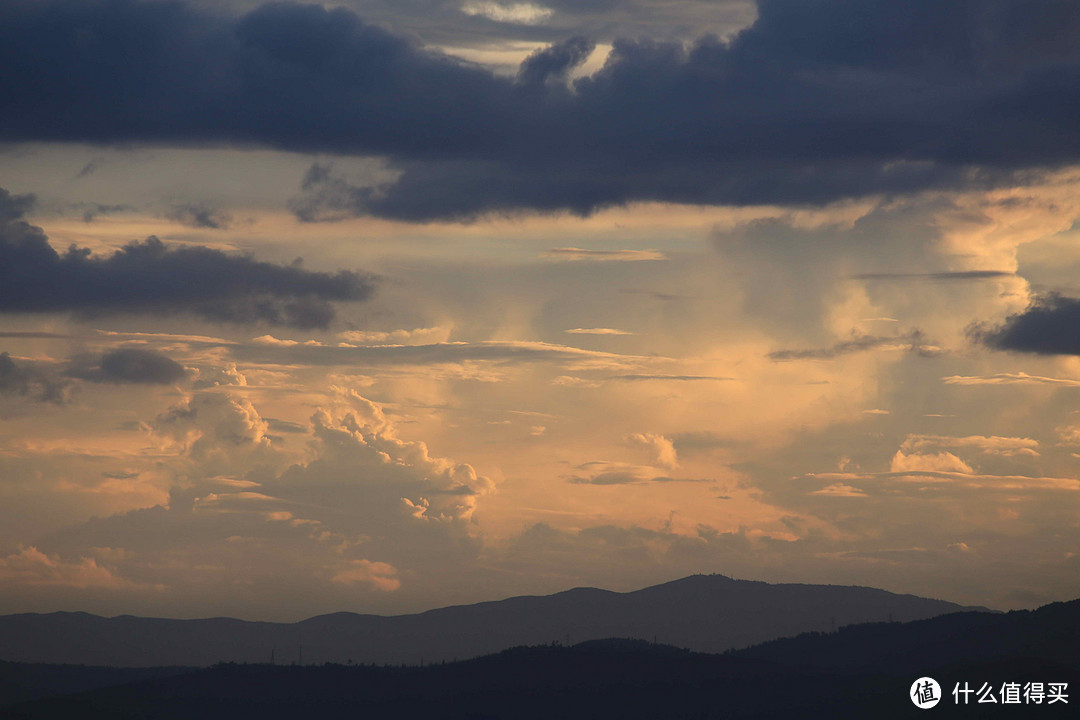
(662, 448)
(150, 277)
(804, 106)
(359, 513)
(993, 445)
(943, 462)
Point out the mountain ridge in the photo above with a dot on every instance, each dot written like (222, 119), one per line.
(706, 613)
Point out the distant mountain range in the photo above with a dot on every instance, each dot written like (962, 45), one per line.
(704, 613)
(862, 671)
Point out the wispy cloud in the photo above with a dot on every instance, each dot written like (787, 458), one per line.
(913, 341)
(572, 253)
(597, 331)
(517, 13)
(1017, 378)
(937, 276)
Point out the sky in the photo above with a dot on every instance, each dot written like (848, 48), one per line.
(385, 306)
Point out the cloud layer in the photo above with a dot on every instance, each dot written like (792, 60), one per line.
(817, 100)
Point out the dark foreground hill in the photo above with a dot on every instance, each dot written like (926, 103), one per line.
(706, 613)
(861, 672)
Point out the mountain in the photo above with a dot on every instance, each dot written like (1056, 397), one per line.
(858, 672)
(705, 613)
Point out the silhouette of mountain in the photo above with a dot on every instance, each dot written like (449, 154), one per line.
(858, 672)
(706, 613)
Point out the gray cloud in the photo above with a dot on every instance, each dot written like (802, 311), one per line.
(199, 215)
(129, 365)
(555, 62)
(940, 276)
(27, 381)
(807, 105)
(90, 211)
(90, 168)
(150, 277)
(1050, 326)
(913, 341)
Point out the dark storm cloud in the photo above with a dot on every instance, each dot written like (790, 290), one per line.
(28, 381)
(150, 277)
(129, 365)
(1050, 326)
(555, 62)
(817, 100)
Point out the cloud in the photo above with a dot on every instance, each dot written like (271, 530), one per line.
(662, 448)
(994, 445)
(28, 381)
(938, 276)
(130, 365)
(956, 478)
(555, 62)
(1050, 326)
(681, 378)
(150, 277)
(943, 462)
(572, 253)
(597, 331)
(417, 336)
(840, 490)
(804, 106)
(90, 168)
(358, 513)
(378, 574)
(616, 473)
(1018, 378)
(199, 215)
(913, 341)
(268, 349)
(90, 211)
(518, 13)
(31, 567)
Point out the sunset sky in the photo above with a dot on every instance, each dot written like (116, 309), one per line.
(385, 305)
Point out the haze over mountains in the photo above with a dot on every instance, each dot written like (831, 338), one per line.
(704, 613)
